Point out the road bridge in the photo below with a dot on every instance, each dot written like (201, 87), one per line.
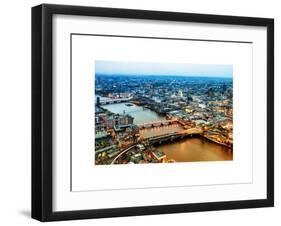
(114, 101)
(162, 138)
(156, 123)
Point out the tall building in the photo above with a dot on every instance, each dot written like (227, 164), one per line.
(98, 101)
(180, 93)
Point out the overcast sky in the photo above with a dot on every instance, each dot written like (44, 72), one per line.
(146, 68)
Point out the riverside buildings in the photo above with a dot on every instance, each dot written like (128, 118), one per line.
(200, 104)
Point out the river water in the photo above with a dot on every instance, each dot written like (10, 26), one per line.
(186, 150)
(195, 149)
(141, 115)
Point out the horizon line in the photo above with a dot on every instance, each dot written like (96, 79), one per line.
(161, 75)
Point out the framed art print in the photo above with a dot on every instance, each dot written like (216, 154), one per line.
(145, 112)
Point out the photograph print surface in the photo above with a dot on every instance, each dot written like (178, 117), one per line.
(148, 112)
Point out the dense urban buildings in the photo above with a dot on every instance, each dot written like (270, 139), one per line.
(162, 118)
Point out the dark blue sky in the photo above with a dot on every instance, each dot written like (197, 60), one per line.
(147, 68)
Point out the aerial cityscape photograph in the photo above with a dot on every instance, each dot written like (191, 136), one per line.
(149, 112)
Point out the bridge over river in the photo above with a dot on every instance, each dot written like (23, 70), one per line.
(173, 136)
(163, 138)
(106, 100)
(156, 123)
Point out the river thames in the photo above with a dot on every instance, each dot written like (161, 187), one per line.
(194, 150)
(141, 115)
(186, 150)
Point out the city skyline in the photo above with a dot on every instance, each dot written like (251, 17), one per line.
(152, 113)
(131, 68)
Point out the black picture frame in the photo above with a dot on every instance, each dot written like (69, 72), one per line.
(42, 106)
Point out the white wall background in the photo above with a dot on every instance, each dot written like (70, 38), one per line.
(15, 111)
